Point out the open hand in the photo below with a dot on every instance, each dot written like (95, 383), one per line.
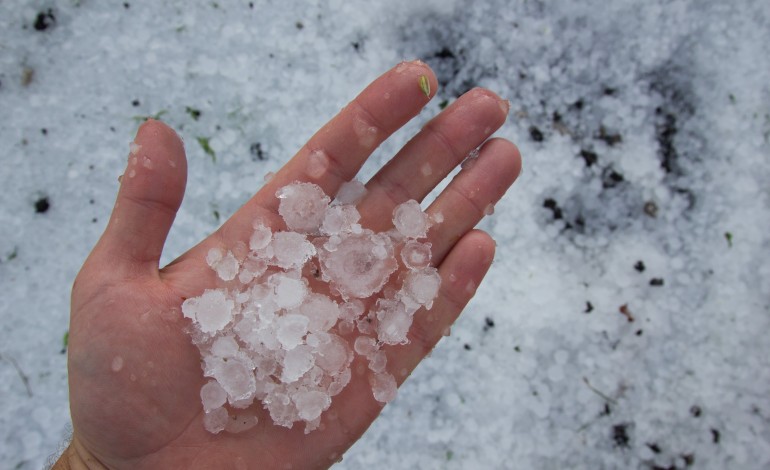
(134, 374)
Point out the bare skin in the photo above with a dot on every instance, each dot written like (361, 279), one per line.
(134, 375)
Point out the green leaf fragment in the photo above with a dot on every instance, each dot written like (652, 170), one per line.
(449, 455)
(425, 85)
(204, 143)
(729, 238)
(66, 339)
(443, 104)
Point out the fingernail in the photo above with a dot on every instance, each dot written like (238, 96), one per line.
(504, 105)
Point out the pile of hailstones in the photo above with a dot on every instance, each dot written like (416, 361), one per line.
(293, 302)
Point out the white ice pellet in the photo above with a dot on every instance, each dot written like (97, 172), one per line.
(212, 395)
(350, 192)
(416, 255)
(260, 237)
(289, 293)
(384, 387)
(215, 420)
(296, 362)
(378, 361)
(291, 329)
(422, 286)
(291, 249)
(410, 220)
(394, 321)
(302, 206)
(211, 311)
(236, 378)
(365, 345)
(311, 403)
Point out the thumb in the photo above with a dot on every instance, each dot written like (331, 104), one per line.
(151, 190)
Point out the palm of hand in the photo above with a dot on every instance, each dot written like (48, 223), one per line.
(135, 377)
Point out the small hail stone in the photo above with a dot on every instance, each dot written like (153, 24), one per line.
(410, 220)
(384, 387)
(317, 164)
(242, 421)
(365, 345)
(311, 403)
(132, 173)
(212, 311)
(147, 163)
(291, 249)
(378, 361)
(393, 322)
(437, 218)
(261, 236)
(416, 255)
(292, 328)
(227, 267)
(269, 176)
(236, 378)
(295, 363)
(422, 286)
(215, 420)
(302, 206)
(212, 396)
(489, 209)
(350, 192)
(367, 134)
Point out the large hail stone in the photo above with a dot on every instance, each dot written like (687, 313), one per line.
(360, 265)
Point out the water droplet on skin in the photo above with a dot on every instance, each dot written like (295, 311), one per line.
(447, 331)
(131, 174)
(147, 163)
(171, 163)
(134, 148)
(367, 134)
(386, 95)
(489, 209)
(317, 164)
(426, 170)
(134, 160)
(268, 176)
(117, 364)
(470, 288)
(132, 377)
(452, 278)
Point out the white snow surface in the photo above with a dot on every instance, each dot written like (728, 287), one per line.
(644, 128)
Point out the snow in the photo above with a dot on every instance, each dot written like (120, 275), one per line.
(594, 88)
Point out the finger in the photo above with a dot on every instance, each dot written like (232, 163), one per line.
(473, 193)
(461, 273)
(338, 150)
(151, 190)
(432, 154)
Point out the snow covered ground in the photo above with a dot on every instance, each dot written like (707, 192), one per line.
(625, 321)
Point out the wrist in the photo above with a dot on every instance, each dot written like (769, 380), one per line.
(76, 457)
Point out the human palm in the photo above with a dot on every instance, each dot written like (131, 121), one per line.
(134, 374)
